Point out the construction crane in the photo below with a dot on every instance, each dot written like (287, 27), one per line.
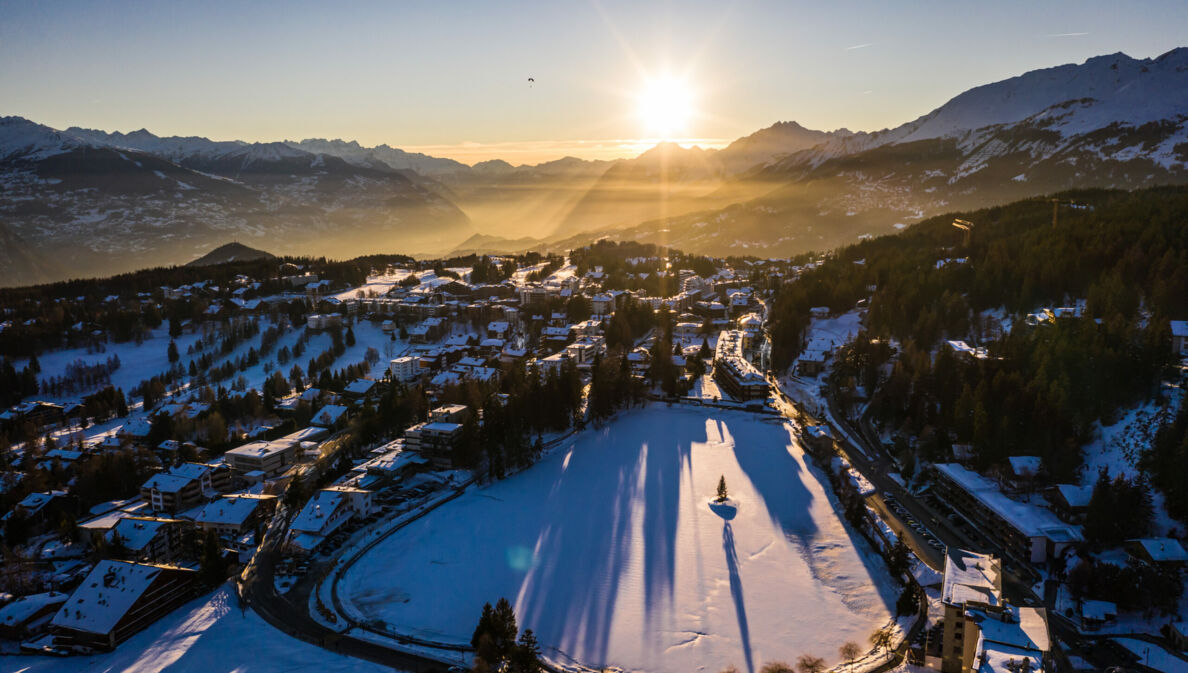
(1056, 203)
(967, 227)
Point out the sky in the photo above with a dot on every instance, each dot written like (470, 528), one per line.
(451, 78)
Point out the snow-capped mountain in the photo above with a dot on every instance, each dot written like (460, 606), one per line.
(100, 203)
(384, 155)
(1113, 121)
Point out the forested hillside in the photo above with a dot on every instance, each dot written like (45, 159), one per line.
(1122, 256)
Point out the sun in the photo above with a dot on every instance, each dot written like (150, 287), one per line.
(665, 107)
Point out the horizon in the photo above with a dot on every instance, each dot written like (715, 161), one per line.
(609, 78)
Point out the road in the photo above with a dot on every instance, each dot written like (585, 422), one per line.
(293, 618)
(873, 463)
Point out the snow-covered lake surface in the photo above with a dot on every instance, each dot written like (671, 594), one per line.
(610, 552)
(207, 635)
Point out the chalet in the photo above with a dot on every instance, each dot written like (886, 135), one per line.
(118, 599)
(42, 511)
(1095, 614)
(147, 538)
(1163, 552)
(359, 389)
(1070, 501)
(233, 516)
(184, 486)
(1179, 330)
(329, 416)
(325, 513)
(29, 616)
(39, 414)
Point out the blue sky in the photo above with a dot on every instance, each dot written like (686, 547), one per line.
(452, 76)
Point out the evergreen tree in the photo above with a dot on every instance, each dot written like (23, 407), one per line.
(486, 625)
(212, 570)
(722, 494)
(172, 351)
(526, 658)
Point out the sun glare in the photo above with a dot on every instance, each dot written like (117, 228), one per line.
(665, 107)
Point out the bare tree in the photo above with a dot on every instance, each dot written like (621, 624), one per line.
(807, 663)
(849, 652)
(776, 667)
(881, 639)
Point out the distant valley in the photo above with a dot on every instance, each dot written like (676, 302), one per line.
(83, 202)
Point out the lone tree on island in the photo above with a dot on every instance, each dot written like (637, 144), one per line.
(722, 495)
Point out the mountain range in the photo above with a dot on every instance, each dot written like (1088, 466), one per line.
(84, 202)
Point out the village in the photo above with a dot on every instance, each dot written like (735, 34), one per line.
(235, 448)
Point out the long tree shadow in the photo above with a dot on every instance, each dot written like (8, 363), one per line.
(588, 531)
(736, 593)
(762, 453)
(764, 456)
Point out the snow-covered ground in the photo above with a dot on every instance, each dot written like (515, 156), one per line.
(207, 635)
(1119, 447)
(377, 285)
(610, 552)
(1154, 656)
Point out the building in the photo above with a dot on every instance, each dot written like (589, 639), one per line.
(1179, 330)
(325, 513)
(1025, 533)
(119, 599)
(233, 516)
(734, 373)
(405, 369)
(1071, 501)
(42, 511)
(147, 538)
(269, 457)
(183, 486)
(1164, 552)
(980, 631)
(329, 416)
(30, 615)
(434, 440)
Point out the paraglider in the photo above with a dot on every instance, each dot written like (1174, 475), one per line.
(531, 81)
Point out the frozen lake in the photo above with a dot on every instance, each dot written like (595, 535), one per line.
(609, 551)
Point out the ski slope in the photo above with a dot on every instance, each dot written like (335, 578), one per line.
(609, 551)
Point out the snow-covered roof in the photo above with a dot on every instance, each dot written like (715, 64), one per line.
(1021, 465)
(137, 532)
(167, 482)
(105, 596)
(1164, 549)
(1028, 519)
(1099, 610)
(20, 610)
(1075, 495)
(359, 386)
(971, 577)
(329, 414)
(228, 510)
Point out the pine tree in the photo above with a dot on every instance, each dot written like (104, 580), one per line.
(173, 356)
(486, 625)
(505, 629)
(722, 494)
(526, 658)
